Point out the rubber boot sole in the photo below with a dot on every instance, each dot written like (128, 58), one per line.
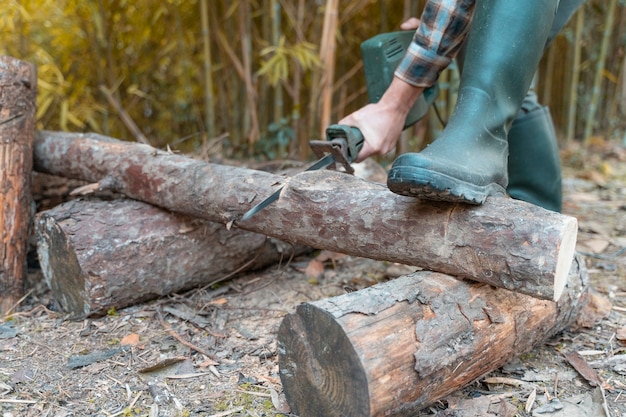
(430, 185)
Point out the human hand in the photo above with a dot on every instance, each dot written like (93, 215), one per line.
(380, 126)
(381, 123)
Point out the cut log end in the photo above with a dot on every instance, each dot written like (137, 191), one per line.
(60, 266)
(565, 257)
(310, 369)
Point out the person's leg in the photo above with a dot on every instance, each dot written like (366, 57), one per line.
(534, 165)
(468, 161)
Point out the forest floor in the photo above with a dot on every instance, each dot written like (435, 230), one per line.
(146, 361)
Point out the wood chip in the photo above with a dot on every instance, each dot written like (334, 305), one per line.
(130, 340)
(163, 364)
(505, 381)
(315, 269)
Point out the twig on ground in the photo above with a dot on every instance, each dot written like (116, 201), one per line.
(228, 412)
(605, 406)
(14, 306)
(176, 336)
(15, 401)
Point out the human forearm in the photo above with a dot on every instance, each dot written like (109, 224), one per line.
(442, 30)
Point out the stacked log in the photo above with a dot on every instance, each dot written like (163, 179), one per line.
(18, 91)
(394, 348)
(97, 255)
(504, 243)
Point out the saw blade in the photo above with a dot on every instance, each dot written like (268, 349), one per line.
(321, 164)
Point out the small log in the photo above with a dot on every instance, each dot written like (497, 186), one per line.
(18, 91)
(100, 254)
(394, 348)
(504, 243)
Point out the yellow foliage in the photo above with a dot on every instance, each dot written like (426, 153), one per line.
(276, 68)
(150, 55)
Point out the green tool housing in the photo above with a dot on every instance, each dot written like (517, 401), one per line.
(381, 56)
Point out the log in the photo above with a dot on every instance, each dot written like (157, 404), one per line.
(18, 91)
(504, 243)
(394, 348)
(96, 255)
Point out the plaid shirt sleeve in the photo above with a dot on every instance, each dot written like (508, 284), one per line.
(444, 25)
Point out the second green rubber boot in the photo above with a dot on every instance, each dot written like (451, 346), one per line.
(534, 163)
(468, 162)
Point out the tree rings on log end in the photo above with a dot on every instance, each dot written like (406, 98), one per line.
(316, 383)
(60, 266)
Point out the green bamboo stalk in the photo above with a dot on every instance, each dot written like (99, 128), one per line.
(622, 101)
(278, 91)
(597, 83)
(231, 104)
(384, 16)
(314, 94)
(576, 70)
(614, 67)
(327, 51)
(246, 52)
(296, 87)
(209, 104)
(546, 98)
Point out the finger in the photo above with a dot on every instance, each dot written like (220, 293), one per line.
(366, 152)
(410, 24)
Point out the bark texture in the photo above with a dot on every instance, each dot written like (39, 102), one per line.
(504, 243)
(393, 349)
(18, 91)
(101, 254)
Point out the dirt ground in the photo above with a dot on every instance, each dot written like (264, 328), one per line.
(212, 351)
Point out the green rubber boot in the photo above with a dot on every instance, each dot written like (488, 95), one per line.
(468, 162)
(534, 163)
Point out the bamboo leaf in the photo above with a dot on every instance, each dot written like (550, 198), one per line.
(43, 105)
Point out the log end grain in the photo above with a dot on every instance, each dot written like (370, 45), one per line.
(320, 371)
(565, 256)
(60, 266)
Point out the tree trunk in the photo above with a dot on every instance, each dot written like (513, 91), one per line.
(101, 254)
(504, 243)
(18, 91)
(394, 348)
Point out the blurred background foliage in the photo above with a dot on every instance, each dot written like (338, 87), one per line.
(260, 78)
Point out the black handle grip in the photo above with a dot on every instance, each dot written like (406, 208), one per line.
(352, 135)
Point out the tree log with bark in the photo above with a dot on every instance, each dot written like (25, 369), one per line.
(504, 243)
(97, 254)
(18, 93)
(394, 348)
